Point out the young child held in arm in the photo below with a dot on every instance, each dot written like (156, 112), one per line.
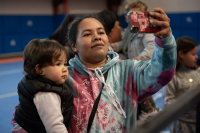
(186, 78)
(45, 99)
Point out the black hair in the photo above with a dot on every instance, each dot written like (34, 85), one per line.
(42, 52)
(184, 44)
(109, 19)
(61, 32)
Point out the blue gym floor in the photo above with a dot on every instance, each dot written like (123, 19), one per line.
(10, 75)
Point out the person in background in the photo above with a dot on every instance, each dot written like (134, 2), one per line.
(112, 27)
(113, 30)
(45, 99)
(60, 34)
(185, 79)
(137, 46)
(128, 82)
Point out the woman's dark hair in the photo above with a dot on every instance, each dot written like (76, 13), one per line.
(61, 32)
(42, 52)
(184, 44)
(73, 29)
(109, 19)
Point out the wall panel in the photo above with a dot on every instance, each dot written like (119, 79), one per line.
(26, 38)
(28, 23)
(12, 43)
(11, 24)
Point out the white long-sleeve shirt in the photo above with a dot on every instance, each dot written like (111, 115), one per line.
(48, 105)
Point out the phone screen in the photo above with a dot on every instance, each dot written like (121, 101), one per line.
(140, 22)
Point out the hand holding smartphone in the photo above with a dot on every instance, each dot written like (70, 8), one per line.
(141, 22)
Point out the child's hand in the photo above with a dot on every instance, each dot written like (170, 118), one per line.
(164, 22)
(137, 58)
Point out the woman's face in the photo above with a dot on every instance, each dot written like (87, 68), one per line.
(115, 33)
(92, 41)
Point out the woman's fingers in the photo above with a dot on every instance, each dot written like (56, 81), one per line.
(160, 16)
(163, 22)
(163, 33)
(159, 10)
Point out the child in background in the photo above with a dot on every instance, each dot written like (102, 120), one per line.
(45, 99)
(186, 78)
(137, 46)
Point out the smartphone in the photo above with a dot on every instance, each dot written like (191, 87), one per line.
(140, 22)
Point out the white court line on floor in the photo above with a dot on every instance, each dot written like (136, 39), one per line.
(8, 95)
(11, 72)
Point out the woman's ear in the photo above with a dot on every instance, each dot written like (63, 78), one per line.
(181, 54)
(73, 46)
(38, 70)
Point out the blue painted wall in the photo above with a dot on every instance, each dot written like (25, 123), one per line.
(17, 30)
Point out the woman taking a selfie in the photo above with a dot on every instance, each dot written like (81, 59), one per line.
(123, 83)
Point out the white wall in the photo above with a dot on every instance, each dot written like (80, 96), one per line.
(169, 6)
(175, 5)
(85, 6)
(44, 7)
(26, 7)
